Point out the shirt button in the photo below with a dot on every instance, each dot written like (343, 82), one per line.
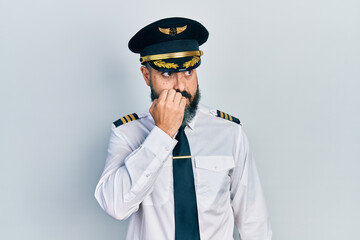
(215, 167)
(167, 148)
(148, 175)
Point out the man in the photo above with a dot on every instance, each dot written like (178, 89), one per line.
(182, 171)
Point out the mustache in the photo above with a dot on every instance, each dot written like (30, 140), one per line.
(154, 95)
(185, 94)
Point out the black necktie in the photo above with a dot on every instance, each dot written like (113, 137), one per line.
(186, 215)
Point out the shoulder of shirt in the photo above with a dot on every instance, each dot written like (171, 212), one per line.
(129, 118)
(219, 114)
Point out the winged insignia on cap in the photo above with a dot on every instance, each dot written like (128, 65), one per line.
(172, 31)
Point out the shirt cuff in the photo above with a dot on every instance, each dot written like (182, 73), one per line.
(159, 143)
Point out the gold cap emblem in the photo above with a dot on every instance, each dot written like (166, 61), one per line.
(163, 64)
(172, 31)
(192, 62)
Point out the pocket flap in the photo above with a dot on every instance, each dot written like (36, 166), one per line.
(215, 163)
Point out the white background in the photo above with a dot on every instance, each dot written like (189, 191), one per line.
(288, 69)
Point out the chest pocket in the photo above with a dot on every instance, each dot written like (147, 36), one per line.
(212, 179)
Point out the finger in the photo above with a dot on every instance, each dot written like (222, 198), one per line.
(163, 95)
(183, 103)
(177, 98)
(170, 96)
(153, 105)
(151, 108)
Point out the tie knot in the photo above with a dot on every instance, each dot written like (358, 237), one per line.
(180, 133)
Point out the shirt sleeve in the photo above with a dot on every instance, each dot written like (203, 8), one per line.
(247, 199)
(129, 175)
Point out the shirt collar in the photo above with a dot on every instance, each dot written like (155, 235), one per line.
(191, 124)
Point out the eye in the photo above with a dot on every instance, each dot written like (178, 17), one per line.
(188, 72)
(166, 74)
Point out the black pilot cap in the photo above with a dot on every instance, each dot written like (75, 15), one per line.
(170, 44)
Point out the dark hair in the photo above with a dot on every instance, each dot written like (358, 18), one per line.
(147, 65)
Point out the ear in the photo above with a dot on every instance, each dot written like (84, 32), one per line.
(146, 74)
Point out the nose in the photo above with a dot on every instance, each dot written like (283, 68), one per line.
(180, 81)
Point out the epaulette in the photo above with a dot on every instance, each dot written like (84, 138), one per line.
(126, 119)
(226, 116)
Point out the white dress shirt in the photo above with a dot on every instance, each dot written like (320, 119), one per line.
(137, 181)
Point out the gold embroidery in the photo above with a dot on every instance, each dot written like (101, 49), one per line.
(181, 29)
(172, 31)
(192, 62)
(163, 64)
(170, 55)
(165, 30)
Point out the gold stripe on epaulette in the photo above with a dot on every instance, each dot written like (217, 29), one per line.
(126, 119)
(226, 116)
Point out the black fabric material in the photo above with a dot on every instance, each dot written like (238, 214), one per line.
(170, 47)
(186, 215)
(235, 120)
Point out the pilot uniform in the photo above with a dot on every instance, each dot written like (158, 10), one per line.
(137, 181)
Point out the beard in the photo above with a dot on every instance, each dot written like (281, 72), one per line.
(190, 110)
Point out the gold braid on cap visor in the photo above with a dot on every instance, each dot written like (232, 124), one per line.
(170, 55)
